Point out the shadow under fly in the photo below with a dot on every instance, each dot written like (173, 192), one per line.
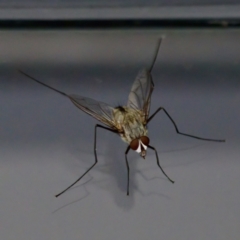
(130, 121)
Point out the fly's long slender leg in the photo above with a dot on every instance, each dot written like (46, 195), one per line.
(156, 54)
(128, 170)
(175, 125)
(95, 153)
(158, 163)
(45, 85)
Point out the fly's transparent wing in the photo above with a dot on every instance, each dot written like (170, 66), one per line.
(140, 94)
(99, 110)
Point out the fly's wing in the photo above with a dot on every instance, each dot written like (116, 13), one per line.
(140, 94)
(99, 110)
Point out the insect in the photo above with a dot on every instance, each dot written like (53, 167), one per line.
(130, 121)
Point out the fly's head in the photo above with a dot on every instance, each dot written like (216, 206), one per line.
(140, 145)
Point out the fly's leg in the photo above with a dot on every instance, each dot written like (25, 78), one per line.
(128, 170)
(95, 154)
(158, 163)
(156, 54)
(176, 128)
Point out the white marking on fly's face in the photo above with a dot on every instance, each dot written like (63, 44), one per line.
(139, 149)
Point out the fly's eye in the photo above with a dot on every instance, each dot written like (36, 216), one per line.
(145, 140)
(134, 144)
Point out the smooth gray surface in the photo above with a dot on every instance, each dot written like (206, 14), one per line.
(108, 3)
(151, 12)
(118, 9)
(46, 142)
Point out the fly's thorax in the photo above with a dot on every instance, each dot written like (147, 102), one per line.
(130, 123)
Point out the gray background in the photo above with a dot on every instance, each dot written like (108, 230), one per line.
(108, 3)
(118, 9)
(47, 143)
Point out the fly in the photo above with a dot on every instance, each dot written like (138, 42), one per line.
(130, 121)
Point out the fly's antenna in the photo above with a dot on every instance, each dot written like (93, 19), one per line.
(156, 53)
(45, 85)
